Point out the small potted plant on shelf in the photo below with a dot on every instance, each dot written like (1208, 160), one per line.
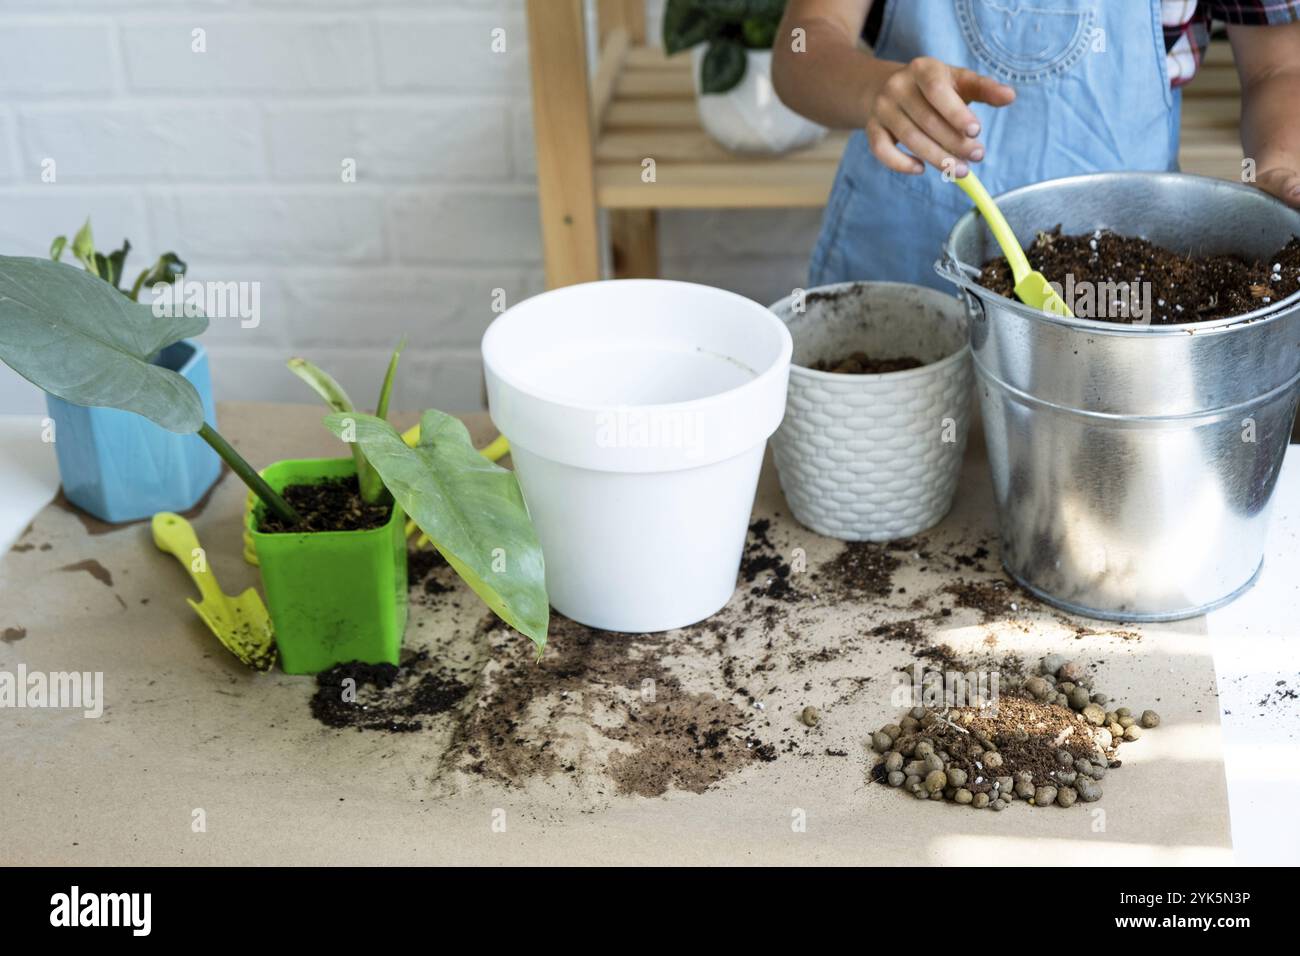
(731, 43)
(329, 533)
(117, 466)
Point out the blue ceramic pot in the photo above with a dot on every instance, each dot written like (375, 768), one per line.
(119, 466)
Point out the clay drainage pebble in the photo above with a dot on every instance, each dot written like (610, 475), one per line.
(1050, 741)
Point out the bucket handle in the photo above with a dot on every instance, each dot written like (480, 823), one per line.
(958, 273)
(964, 277)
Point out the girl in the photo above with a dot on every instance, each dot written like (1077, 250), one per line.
(1042, 88)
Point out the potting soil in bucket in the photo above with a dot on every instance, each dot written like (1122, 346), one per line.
(637, 412)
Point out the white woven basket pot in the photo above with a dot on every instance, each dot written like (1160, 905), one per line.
(874, 457)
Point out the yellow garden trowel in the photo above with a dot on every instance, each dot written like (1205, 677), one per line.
(1032, 288)
(240, 623)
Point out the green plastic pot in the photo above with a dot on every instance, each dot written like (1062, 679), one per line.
(334, 596)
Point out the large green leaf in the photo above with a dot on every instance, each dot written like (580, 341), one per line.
(471, 509)
(723, 67)
(77, 337)
(686, 24)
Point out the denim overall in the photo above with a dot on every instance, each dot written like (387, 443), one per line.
(1092, 95)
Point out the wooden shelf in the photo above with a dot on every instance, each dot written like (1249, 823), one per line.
(650, 113)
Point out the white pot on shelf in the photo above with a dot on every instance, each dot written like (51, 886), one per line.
(751, 118)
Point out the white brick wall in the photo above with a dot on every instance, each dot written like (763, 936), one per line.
(233, 158)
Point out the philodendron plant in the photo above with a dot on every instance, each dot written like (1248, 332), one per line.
(79, 338)
(470, 508)
(729, 27)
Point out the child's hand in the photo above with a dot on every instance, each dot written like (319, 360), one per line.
(1281, 182)
(922, 105)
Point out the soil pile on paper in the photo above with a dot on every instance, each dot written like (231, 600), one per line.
(1049, 738)
(1182, 288)
(1028, 735)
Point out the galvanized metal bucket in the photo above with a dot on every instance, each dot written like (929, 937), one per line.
(1134, 465)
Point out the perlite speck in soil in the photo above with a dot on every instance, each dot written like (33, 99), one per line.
(1048, 742)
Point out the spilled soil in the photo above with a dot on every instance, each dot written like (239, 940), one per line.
(992, 599)
(668, 737)
(865, 568)
(385, 696)
(607, 714)
(764, 567)
(1281, 694)
(429, 576)
(1180, 289)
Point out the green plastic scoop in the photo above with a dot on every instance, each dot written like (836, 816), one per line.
(240, 623)
(1032, 288)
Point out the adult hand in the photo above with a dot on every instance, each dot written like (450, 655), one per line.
(923, 105)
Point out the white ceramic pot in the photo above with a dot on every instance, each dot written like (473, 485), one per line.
(751, 118)
(874, 457)
(637, 413)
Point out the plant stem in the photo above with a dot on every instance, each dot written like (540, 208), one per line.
(282, 509)
(368, 480)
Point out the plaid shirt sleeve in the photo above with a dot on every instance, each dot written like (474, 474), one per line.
(1187, 27)
(1255, 12)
